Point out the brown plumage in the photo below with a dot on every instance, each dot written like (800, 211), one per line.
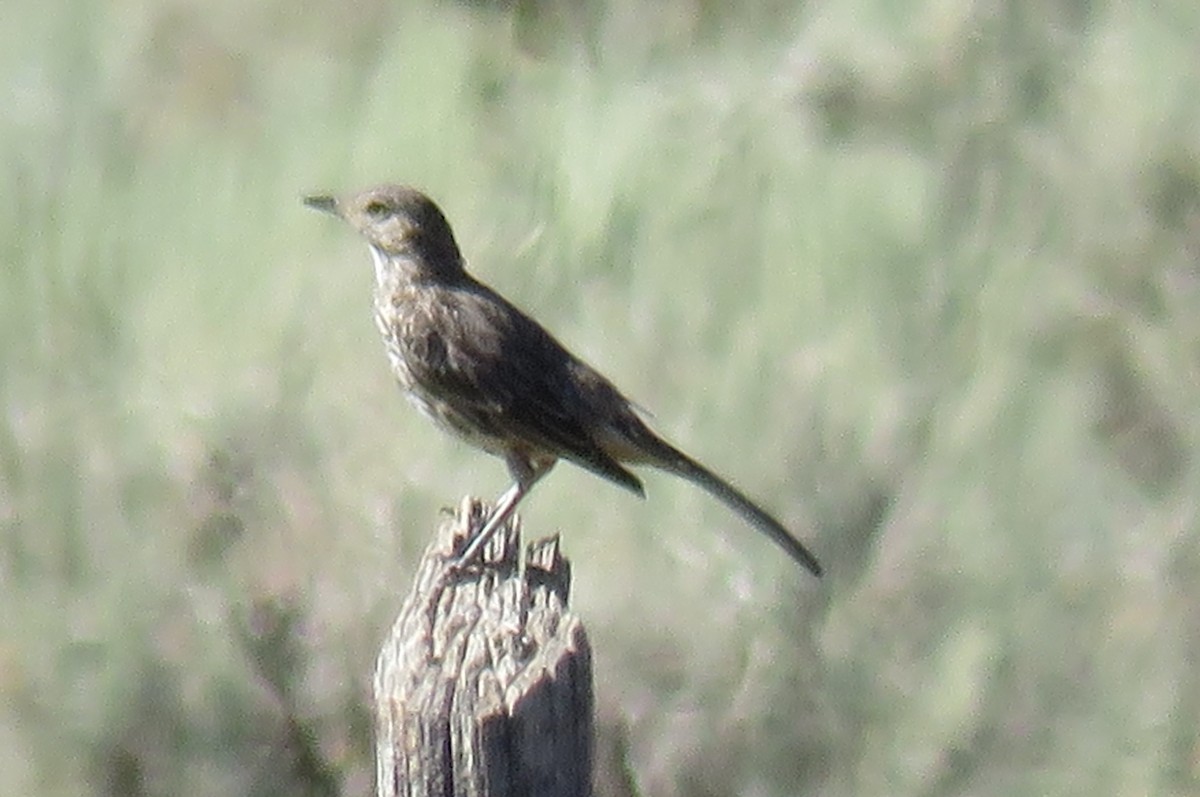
(482, 369)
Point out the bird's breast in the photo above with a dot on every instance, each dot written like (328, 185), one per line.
(415, 327)
(403, 324)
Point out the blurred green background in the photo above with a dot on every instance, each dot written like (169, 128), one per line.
(921, 276)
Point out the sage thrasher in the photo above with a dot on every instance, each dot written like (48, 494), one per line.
(482, 369)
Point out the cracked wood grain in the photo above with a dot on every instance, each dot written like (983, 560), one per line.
(483, 688)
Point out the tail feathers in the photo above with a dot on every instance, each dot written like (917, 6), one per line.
(729, 495)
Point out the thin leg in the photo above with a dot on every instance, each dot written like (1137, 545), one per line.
(526, 474)
(504, 507)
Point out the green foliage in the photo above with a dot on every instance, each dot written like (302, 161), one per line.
(921, 276)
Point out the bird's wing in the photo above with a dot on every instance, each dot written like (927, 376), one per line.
(509, 378)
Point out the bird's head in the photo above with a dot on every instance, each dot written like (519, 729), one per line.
(403, 226)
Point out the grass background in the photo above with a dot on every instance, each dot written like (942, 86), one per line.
(920, 275)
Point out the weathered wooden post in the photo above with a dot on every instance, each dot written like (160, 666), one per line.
(483, 688)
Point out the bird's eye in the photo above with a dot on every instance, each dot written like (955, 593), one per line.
(376, 209)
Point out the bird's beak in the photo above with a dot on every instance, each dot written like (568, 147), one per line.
(324, 203)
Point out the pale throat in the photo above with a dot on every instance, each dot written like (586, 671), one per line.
(393, 270)
(381, 266)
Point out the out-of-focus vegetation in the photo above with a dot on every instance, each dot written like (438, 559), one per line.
(922, 276)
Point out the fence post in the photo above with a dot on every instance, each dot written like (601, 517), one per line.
(483, 687)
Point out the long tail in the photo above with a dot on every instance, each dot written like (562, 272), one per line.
(674, 460)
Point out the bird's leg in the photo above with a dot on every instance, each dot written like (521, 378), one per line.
(525, 473)
(504, 507)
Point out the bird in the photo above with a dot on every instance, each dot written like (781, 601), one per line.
(485, 371)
